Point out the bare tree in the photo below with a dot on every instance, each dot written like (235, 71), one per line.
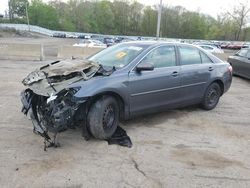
(240, 15)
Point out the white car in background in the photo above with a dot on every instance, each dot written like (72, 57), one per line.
(91, 44)
(211, 49)
(71, 36)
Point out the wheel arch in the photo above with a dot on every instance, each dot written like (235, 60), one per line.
(220, 83)
(123, 109)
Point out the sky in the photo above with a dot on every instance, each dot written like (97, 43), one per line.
(210, 7)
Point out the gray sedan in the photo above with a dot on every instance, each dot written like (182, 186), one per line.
(121, 82)
(241, 63)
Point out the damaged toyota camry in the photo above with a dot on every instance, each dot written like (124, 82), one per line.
(121, 82)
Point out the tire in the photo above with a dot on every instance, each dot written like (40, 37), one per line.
(103, 117)
(211, 97)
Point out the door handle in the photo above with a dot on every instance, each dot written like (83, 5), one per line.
(210, 68)
(175, 73)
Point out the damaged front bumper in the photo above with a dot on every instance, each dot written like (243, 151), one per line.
(55, 113)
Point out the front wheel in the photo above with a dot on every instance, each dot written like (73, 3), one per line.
(211, 97)
(103, 117)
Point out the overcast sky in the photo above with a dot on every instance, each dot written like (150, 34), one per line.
(211, 7)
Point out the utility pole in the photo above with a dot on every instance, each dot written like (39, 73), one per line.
(27, 15)
(159, 21)
(10, 11)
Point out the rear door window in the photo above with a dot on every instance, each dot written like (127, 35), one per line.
(189, 55)
(205, 59)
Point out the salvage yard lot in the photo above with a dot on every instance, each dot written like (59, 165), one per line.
(188, 147)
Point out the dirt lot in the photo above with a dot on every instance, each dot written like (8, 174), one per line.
(180, 148)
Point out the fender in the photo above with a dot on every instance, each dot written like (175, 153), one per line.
(115, 83)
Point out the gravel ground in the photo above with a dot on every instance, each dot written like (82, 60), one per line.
(188, 147)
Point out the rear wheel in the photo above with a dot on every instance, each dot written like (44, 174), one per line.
(103, 117)
(211, 97)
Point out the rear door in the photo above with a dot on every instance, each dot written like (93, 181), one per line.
(238, 61)
(151, 90)
(245, 66)
(196, 69)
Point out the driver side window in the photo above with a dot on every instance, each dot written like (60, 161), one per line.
(160, 57)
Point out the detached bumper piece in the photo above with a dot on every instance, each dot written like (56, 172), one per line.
(120, 137)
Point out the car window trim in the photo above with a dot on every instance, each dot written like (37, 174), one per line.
(162, 45)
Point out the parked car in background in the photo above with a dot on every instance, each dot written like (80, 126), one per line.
(123, 39)
(81, 36)
(90, 43)
(108, 41)
(224, 45)
(207, 43)
(71, 35)
(211, 49)
(241, 63)
(235, 46)
(246, 45)
(121, 82)
(59, 35)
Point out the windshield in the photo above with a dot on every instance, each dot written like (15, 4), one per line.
(118, 55)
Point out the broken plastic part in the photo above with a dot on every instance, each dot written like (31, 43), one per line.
(120, 137)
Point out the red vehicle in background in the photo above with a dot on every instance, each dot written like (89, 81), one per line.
(235, 46)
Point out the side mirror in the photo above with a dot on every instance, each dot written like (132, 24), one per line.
(144, 66)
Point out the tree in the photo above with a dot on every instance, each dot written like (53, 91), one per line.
(64, 18)
(124, 17)
(104, 17)
(149, 21)
(170, 24)
(121, 21)
(43, 15)
(134, 18)
(239, 15)
(17, 8)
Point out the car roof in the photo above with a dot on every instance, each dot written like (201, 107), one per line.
(156, 43)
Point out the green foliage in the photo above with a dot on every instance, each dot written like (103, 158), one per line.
(149, 21)
(104, 17)
(17, 8)
(43, 15)
(124, 17)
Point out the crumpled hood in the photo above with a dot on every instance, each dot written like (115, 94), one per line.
(55, 76)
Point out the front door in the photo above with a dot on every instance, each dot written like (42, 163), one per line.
(151, 90)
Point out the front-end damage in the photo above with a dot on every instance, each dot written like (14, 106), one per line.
(51, 102)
